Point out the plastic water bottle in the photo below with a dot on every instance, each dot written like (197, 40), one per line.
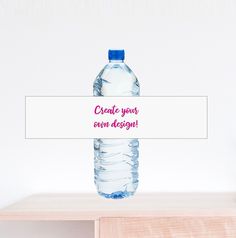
(116, 160)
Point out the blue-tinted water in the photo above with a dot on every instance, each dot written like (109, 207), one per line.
(116, 160)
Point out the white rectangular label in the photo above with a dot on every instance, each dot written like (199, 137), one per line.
(116, 117)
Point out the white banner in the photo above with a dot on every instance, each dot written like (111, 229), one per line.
(116, 117)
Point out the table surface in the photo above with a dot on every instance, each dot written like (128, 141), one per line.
(92, 206)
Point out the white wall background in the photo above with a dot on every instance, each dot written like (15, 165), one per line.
(50, 47)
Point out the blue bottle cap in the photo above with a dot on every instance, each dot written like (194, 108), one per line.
(116, 54)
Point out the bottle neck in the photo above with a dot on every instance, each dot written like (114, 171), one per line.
(116, 61)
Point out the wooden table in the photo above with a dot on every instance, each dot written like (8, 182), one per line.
(164, 215)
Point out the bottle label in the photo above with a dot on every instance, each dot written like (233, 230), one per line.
(117, 117)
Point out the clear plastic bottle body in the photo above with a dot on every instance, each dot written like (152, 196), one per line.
(116, 160)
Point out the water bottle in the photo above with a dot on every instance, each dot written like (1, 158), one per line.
(116, 160)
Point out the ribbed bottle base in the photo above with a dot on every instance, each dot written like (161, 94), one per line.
(117, 195)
